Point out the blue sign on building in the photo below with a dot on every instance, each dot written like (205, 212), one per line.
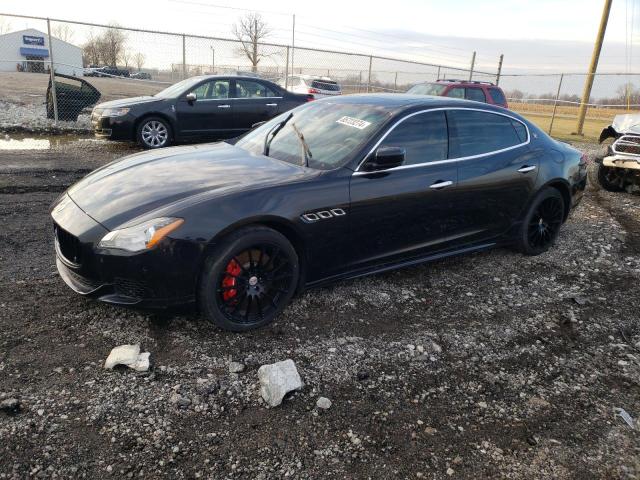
(33, 40)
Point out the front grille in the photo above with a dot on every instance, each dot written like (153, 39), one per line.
(131, 288)
(68, 245)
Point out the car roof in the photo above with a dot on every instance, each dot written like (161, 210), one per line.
(465, 83)
(404, 100)
(239, 77)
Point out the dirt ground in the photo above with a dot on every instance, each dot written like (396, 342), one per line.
(492, 365)
(26, 88)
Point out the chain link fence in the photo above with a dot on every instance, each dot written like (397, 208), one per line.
(95, 63)
(553, 101)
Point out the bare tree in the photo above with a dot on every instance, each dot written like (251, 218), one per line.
(5, 26)
(139, 60)
(111, 45)
(126, 58)
(62, 32)
(250, 31)
(91, 51)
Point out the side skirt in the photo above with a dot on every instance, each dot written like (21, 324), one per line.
(398, 265)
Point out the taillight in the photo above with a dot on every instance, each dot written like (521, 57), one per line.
(310, 98)
(313, 90)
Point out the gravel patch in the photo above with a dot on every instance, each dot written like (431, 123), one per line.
(492, 365)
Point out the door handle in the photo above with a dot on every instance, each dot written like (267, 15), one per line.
(272, 104)
(224, 106)
(441, 184)
(527, 168)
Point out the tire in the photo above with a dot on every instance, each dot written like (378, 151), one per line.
(610, 178)
(542, 222)
(248, 279)
(154, 132)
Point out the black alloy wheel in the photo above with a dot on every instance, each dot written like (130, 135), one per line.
(249, 279)
(542, 223)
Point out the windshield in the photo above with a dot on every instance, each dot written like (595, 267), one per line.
(331, 133)
(427, 89)
(177, 88)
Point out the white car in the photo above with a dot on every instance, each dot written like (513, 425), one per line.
(319, 87)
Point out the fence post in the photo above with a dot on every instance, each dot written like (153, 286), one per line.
(473, 64)
(293, 42)
(184, 56)
(369, 79)
(555, 103)
(499, 69)
(438, 76)
(54, 97)
(395, 83)
(286, 71)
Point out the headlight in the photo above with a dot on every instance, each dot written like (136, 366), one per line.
(140, 237)
(114, 112)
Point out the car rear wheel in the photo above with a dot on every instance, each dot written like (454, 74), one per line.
(542, 223)
(248, 279)
(610, 178)
(154, 132)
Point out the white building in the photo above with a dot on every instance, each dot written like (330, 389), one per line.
(29, 51)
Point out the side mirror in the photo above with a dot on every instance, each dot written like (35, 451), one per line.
(256, 125)
(191, 97)
(385, 158)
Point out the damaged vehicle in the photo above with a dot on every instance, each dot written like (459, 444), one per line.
(337, 188)
(618, 167)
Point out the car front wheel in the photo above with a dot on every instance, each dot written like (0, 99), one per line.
(248, 279)
(542, 223)
(154, 132)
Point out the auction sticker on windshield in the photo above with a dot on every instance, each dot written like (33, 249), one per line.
(353, 122)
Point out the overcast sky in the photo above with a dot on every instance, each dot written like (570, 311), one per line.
(534, 35)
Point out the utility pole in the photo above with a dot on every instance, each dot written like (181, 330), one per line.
(588, 84)
(473, 64)
(499, 69)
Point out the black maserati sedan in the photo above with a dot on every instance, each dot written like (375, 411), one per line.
(198, 108)
(336, 188)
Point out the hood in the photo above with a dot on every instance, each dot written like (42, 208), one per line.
(629, 123)
(139, 184)
(127, 102)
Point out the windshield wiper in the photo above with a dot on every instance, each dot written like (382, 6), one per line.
(272, 133)
(306, 151)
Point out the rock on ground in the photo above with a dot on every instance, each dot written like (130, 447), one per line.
(130, 356)
(278, 379)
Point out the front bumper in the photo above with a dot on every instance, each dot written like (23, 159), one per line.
(161, 277)
(622, 161)
(114, 128)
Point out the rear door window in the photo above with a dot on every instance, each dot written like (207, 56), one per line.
(325, 85)
(251, 89)
(476, 94)
(456, 92)
(423, 136)
(475, 133)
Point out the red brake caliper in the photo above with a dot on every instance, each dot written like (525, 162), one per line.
(232, 270)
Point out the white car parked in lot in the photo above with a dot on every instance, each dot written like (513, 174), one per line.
(319, 87)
